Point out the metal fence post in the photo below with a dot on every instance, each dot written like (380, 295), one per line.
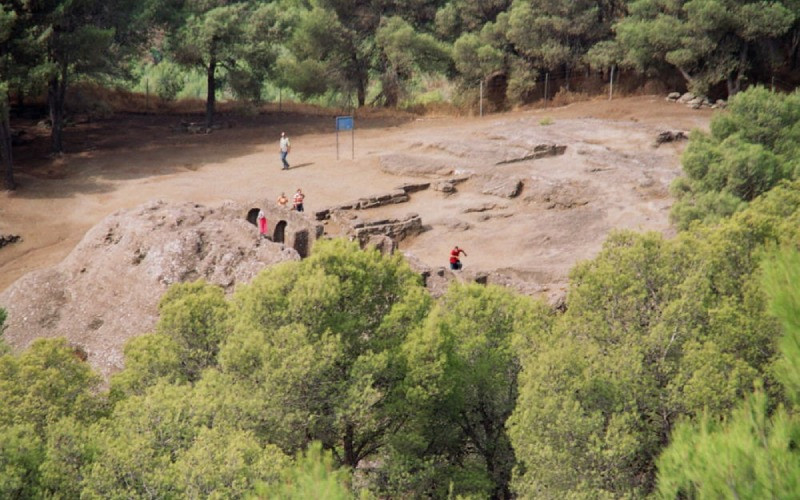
(611, 83)
(546, 85)
(481, 98)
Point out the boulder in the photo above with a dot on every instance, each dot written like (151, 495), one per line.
(413, 187)
(504, 187)
(673, 96)
(384, 244)
(482, 207)
(446, 187)
(670, 136)
(397, 229)
(685, 98)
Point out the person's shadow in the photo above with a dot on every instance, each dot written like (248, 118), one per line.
(301, 165)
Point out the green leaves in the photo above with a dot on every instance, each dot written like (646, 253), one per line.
(462, 381)
(750, 149)
(655, 332)
(321, 337)
(708, 41)
(753, 453)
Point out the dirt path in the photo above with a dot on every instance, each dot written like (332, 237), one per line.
(610, 163)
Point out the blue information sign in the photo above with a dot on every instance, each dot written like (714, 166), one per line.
(344, 123)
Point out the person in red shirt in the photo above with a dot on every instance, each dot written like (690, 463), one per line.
(455, 262)
(299, 197)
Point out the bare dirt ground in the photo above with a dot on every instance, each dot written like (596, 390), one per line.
(610, 177)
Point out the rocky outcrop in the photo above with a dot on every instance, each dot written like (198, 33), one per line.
(396, 229)
(539, 151)
(107, 289)
(559, 195)
(447, 187)
(502, 186)
(7, 239)
(670, 136)
(396, 196)
(413, 187)
(695, 101)
(382, 243)
(483, 207)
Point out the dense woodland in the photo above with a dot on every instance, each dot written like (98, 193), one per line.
(386, 52)
(674, 370)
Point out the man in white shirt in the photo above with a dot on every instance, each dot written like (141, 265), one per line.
(286, 146)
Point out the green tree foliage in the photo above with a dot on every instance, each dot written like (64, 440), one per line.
(85, 38)
(3, 346)
(752, 454)
(68, 449)
(167, 442)
(9, 65)
(526, 38)
(748, 151)
(403, 52)
(313, 475)
(194, 321)
(655, 331)
(556, 35)
(235, 38)
(148, 358)
(316, 344)
(340, 45)
(45, 385)
(463, 368)
(457, 17)
(707, 41)
(196, 317)
(20, 457)
(47, 382)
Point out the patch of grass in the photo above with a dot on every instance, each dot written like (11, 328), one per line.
(546, 121)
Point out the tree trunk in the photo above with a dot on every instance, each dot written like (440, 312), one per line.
(686, 76)
(391, 88)
(56, 94)
(212, 91)
(362, 92)
(350, 456)
(6, 160)
(737, 83)
(733, 86)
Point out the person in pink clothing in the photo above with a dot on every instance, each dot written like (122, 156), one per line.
(262, 224)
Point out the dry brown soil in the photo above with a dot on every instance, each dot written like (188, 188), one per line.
(611, 176)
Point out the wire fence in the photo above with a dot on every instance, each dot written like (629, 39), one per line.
(555, 87)
(562, 87)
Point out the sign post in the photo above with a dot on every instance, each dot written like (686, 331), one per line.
(345, 123)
